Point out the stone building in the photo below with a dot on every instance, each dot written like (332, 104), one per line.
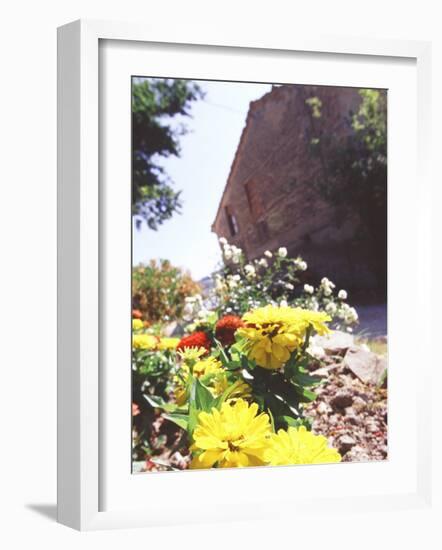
(268, 200)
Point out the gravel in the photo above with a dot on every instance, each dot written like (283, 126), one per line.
(351, 414)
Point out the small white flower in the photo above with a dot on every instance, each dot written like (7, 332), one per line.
(289, 286)
(349, 329)
(351, 315)
(223, 240)
(300, 264)
(326, 282)
(250, 270)
(309, 289)
(268, 254)
(327, 291)
(263, 262)
(282, 252)
(227, 254)
(283, 303)
(236, 254)
(236, 277)
(342, 294)
(331, 308)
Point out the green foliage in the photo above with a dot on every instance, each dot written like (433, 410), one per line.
(279, 393)
(155, 105)
(370, 122)
(152, 373)
(159, 290)
(354, 174)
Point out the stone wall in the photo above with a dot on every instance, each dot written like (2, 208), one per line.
(269, 200)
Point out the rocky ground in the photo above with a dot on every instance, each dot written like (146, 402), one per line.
(351, 408)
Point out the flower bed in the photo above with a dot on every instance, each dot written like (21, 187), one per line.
(236, 389)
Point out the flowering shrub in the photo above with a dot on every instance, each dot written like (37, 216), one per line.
(274, 279)
(159, 291)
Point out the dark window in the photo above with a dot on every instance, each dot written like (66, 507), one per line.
(263, 231)
(232, 222)
(254, 200)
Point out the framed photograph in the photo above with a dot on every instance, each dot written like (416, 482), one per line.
(234, 234)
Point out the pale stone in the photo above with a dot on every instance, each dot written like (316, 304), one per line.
(335, 342)
(366, 365)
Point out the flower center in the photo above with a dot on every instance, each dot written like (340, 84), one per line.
(270, 329)
(235, 445)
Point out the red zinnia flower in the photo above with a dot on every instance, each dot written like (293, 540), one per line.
(226, 328)
(195, 340)
(136, 314)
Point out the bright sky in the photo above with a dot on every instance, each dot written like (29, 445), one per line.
(201, 172)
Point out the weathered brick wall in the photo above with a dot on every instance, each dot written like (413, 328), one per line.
(269, 191)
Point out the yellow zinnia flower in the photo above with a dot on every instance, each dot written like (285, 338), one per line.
(144, 341)
(168, 343)
(137, 324)
(189, 355)
(212, 374)
(273, 333)
(299, 446)
(207, 366)
(235, 436)
(207, 370)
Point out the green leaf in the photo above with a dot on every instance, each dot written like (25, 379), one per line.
(246, 363)
(305, 379)
(222, 354)
(295, 422)
(204, 400)
(305, 394)
(159, 403)
(193, 420)
(181, 420)
(240, 345)
(226, 394)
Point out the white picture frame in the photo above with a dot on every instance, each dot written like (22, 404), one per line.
(79, 275)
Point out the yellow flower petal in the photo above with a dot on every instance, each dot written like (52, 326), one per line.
(299, 446)
(235, 436)
(273, 333)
